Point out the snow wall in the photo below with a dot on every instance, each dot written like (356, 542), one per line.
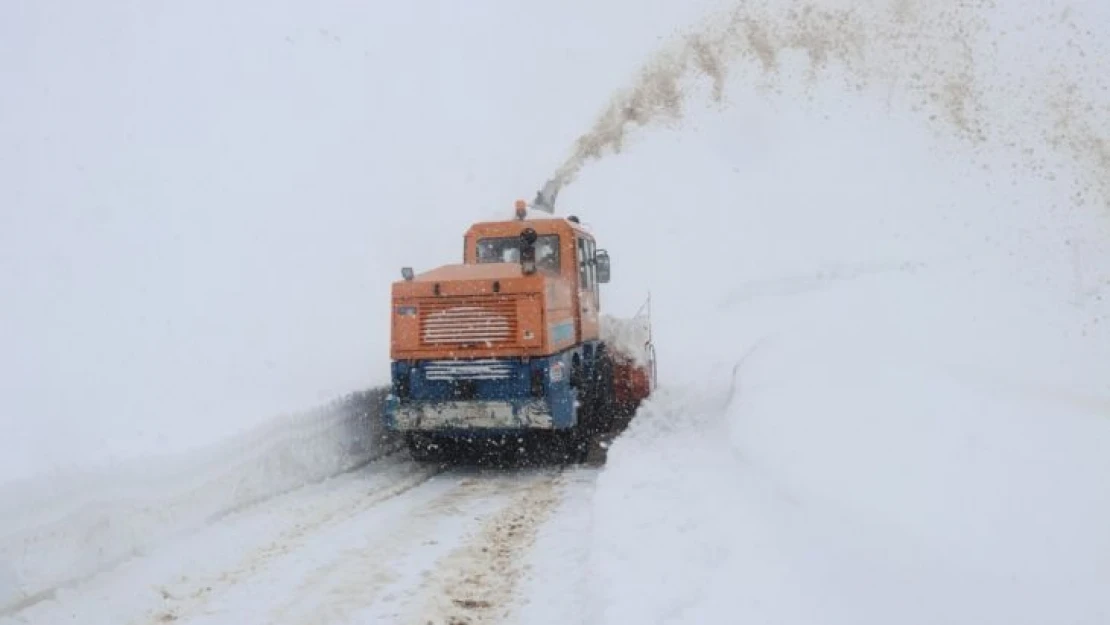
(61, 528)
(882, 339)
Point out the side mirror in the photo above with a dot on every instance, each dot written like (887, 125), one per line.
(407, 274)
(602, 266)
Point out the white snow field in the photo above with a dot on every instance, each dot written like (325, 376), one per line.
(875, 236)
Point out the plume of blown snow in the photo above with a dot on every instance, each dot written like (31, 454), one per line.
(940, 58)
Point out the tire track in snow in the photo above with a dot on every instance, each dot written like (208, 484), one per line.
(374, 572)
(401, 543)
(182, 603)
(476, 583)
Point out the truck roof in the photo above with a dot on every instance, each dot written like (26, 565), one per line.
(512, 227)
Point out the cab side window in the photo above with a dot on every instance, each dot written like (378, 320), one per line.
(583, 266)
(591, 258)
(587, 266)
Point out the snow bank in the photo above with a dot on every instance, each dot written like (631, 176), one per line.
(629, 337)
(60, 528)
(884, 384)
(909, 449)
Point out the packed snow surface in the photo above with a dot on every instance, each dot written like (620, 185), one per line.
(396, 542)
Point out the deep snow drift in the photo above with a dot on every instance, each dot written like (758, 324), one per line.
(883, 346)
(860, 468)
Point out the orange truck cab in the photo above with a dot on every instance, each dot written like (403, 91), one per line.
(504, 342)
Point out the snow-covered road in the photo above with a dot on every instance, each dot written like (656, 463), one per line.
(394, 542)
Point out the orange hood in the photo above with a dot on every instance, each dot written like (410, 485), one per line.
(462, 280)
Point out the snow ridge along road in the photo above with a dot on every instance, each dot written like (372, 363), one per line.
(393, 542)
(62, 528)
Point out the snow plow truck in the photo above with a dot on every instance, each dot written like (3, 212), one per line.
(509, 349)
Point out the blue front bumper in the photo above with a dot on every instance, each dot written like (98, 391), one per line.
(468, 397)
(469, 415)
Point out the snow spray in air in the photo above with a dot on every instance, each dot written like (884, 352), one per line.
(940, 58)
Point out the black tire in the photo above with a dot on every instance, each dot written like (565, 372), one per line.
(582, 394)
(602, 400)
(424, 448)
(568, 446)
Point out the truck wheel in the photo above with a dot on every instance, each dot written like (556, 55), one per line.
(570, 446)
(603, 394)
(582, 396)
(423, 448)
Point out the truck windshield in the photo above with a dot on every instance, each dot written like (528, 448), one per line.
(507, 250)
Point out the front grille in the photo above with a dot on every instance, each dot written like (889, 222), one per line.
(468, 370)
(470, 323)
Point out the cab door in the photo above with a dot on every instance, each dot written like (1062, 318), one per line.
(588, 291)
